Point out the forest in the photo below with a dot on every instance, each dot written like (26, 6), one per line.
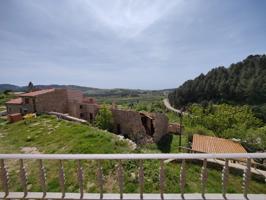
(241, 83)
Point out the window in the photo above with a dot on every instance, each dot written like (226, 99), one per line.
(25, 110)
(27, 100)
(80, 106)
(81, 115)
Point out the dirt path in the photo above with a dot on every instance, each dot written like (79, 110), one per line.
(168, 106)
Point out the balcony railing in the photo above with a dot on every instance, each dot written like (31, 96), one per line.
(120, 158)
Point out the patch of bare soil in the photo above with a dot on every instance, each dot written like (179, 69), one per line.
(30, 150)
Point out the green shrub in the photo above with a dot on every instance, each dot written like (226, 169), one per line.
(104, 118)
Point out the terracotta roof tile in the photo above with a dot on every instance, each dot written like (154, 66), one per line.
(208, 144)
(15, 101)
(36, 93)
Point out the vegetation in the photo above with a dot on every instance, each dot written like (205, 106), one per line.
(104, 118)
(241, 83)
(51, 135)
(152, 106)
(4, 97)
(228, 121)
(47, 134)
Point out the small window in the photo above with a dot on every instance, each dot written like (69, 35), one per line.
(81, 115)
(27, 100)
(25, 110)
(80, 106)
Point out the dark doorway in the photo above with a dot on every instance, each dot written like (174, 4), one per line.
(91, 117)
(118, 129)
(34, 105)
(147, 122)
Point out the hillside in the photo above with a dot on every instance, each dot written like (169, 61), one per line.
(241, 83)
(46, 134)
(49, 135)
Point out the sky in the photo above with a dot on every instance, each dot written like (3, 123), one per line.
(145, 44)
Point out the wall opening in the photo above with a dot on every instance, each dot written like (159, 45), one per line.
(91, 117)
(34, 105)
(147, 122)
(118, 129)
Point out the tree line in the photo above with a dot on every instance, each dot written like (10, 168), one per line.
(243, 82)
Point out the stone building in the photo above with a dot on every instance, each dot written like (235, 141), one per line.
(54, 100)
(141, 127)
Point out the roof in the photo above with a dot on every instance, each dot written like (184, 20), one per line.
(15, 101)
(209, 144)
(36, 93)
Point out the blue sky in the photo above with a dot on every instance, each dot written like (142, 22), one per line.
(152, 44)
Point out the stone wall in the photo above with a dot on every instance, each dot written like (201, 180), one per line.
(160, 123)
(131, 125)
(74, 108)
(55, 101)
(128, 123)
(13, 108)
(91, 111)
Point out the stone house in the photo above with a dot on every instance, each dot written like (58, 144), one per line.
(141, 127)
(57, 100)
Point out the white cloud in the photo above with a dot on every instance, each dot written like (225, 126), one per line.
(128, 18)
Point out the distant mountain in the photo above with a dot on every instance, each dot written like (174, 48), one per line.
(90, 91)
(4, 87)
(241, 83)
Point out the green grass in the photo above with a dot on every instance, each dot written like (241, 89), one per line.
(50, 135)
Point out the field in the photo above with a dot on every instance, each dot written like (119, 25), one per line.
(46, 134)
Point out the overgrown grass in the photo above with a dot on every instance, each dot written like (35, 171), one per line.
(50, 135)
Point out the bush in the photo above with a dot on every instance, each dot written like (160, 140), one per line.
(104, 118)
(219, 118)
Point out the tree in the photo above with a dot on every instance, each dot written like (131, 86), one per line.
(6, 92)
(30, 87)
(104, 118)
(241, 83)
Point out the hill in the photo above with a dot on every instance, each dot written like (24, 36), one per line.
(241, 83)
(46, 134)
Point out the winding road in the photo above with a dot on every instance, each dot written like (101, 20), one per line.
(168, 106)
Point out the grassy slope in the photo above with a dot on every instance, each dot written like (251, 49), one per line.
(52, 136)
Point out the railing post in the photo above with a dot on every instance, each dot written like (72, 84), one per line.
(120, 178)
(62, 178)
(203, 177)
(80, 178)
(4, 177)
(246, 178)
(100, 178)
(225, 174)
(141, 179)
(162, 178)
(23, 177)
(42, 177)
(182, 179)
